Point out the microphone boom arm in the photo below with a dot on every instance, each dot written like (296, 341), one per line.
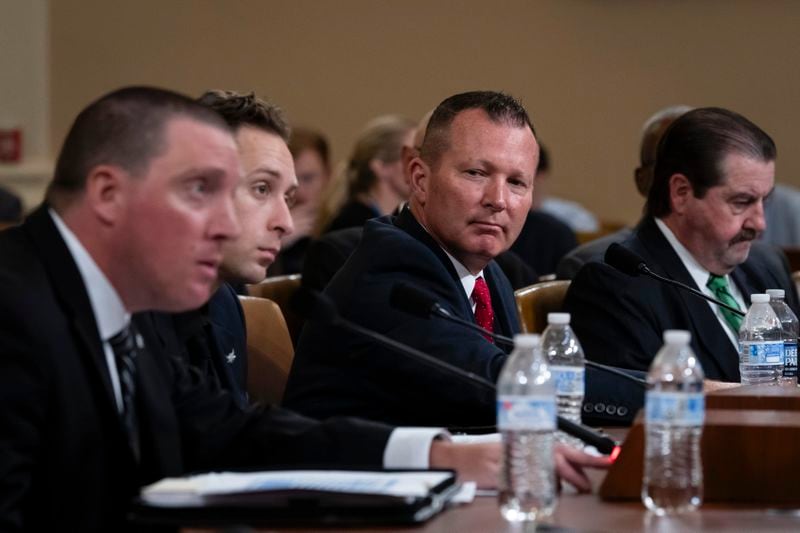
(646, 271)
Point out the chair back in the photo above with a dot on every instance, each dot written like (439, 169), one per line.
(280, 289)
(269, 350)
(535, 301)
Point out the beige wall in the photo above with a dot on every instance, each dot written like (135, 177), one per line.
(590, 71)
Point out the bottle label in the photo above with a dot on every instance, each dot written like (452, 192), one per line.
(569, 380)
(790, 354)
(761, 353)
(526, 413)
(675, 408)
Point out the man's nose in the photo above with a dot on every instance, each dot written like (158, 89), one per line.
(495, 194)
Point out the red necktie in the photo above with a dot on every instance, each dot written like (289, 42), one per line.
(484, 314)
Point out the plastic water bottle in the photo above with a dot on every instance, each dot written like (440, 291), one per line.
(791, 328)
(526, 419)
(565, 356)
(674, 413)
(760, 343)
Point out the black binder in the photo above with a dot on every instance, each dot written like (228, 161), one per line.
(299, 508)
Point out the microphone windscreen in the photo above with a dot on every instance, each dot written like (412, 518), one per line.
(623, 259)
(313, 305)
(412, 300)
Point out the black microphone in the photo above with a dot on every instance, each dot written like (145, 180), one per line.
(314, 305)
(628, 262)
(421, 303)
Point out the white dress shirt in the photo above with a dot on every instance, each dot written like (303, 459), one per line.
(466, 277)
(109, 312)
(700, 276)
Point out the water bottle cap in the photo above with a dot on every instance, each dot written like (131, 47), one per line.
(677, 336)
(558, 318)
(526, 340)
(776, 293)
(759, 298)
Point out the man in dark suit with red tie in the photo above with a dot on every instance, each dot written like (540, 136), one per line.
(471, 190)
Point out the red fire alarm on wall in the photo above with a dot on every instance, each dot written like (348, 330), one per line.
(10, 144)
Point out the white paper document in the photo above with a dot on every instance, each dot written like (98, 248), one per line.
(195, 490)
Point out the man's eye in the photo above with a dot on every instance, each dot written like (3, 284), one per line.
(261, 189)
(198, 187)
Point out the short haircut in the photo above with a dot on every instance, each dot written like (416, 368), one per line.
(696, 144)
(247, 110)
(500, 107)
(305, 139)
(124, 128)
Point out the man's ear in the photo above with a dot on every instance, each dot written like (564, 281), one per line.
(106, 188)
(419, 173)
(680, 192)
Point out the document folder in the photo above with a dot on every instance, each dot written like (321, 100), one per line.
(296, 497)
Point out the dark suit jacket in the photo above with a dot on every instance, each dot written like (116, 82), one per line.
(620, 320)
(335, 372)
(352, 214)
(329, 252)
(64, 458)
(213, 340)
(570, 264)
(543, 241)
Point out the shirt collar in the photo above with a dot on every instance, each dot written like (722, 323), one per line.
(464, 275)
(699, 274)
(109, 311)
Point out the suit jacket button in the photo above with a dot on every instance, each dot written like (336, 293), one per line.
(611, 409)
(622, 410)
(587, 407)
(599, 407)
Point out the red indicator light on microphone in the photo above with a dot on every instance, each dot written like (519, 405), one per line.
(615, 453)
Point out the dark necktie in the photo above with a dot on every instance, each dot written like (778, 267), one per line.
(484, 314)
(126, 345)
(719, 286)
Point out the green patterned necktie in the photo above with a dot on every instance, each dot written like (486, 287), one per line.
(719, 286)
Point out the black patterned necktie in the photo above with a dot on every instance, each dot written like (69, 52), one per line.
(126, 345)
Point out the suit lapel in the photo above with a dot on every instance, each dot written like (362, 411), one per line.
(71, 292)
(406, 221)
(505, 311)
(706, 329)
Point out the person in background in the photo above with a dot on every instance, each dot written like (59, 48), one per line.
(571, 213)
(652, 131)
(373, 183)
(544, 238)
(782, 212)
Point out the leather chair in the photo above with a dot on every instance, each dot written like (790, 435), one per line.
(280, 289)
(269, 350)
(535, 301)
